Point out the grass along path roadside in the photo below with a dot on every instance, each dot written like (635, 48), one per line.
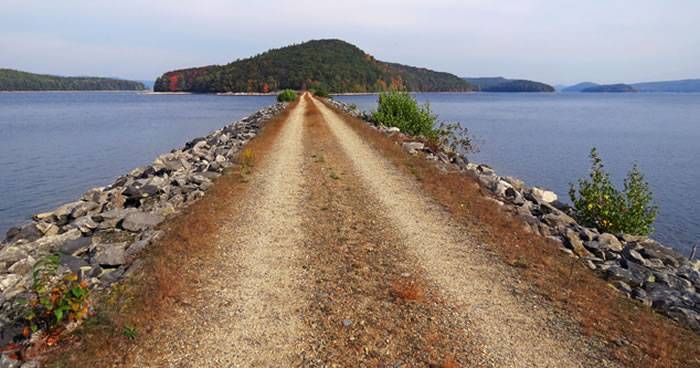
(333, 252)
(515, 334)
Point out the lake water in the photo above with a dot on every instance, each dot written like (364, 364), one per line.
(55, 146)
(545, 139)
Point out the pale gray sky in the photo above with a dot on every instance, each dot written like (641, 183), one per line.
(555, 41)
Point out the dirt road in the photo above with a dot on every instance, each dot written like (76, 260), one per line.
(335, 258)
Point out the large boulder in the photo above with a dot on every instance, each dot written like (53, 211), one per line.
(574, 242)
(76, 246)
(28, 232)
(543, 195)
(109, 255)
(610, 241)
(110, 219)
(12, 254)
(139, 221)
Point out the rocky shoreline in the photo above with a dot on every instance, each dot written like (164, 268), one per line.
(100, 236)
(639, 267)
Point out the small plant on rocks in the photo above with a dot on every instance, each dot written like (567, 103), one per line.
(599, 204)
(57, 298)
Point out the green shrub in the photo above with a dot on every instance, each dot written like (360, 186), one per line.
(401, 110)
(286, 95)
(321, 92)
(599, 204)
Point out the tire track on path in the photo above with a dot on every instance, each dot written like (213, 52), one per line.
(514, 336)
(247, 314)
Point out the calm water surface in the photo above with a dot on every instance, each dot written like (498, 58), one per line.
(545, 139)
(55, 146)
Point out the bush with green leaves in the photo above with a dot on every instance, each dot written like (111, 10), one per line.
(401, 110)
(321, 92)
(599, 204)
(286, 95)
(56, 298)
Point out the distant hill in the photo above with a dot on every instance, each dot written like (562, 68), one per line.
(15, 80)
(617, 88)
(685, 85)
(500, 84)
(334, 65)
(579, 87)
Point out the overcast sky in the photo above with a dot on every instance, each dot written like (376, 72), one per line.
(555, 41)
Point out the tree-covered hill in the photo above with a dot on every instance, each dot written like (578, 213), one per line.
(685, 85)
(14, 80)
(611, 88)
(500, 84)
(333, 65)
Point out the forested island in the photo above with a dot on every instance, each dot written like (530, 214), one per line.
(15, 80)
(612, 88)
(500, 84)
(332, 65)
(680, 86)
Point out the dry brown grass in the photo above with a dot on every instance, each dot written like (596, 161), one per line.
(633, 334)
(170, 268)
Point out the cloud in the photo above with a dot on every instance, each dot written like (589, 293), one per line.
(550, 40)
(49, 54)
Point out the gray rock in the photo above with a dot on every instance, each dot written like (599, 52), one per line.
(85, 224)
(110, 219)
(641, 295)
(543, 195)
(595, 248)
(610, 241)
(23, 266)
(516, 183)
(111, 276)
(12, 254)
(140, 189)
(139, 221)
(630, 254)
(76, 246)
(574, 243)
(73, 263)
(109, 255)
(558, 219)
(136, 247)
(8, 281)
(623, 287)
(672, 281)
(48, 229)
(28, 232)
(413, 147)
(617, 273)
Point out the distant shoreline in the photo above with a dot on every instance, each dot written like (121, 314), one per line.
(77, 90)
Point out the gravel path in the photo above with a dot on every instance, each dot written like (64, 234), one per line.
(334, 258)
(514, 334)
(247, 313)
